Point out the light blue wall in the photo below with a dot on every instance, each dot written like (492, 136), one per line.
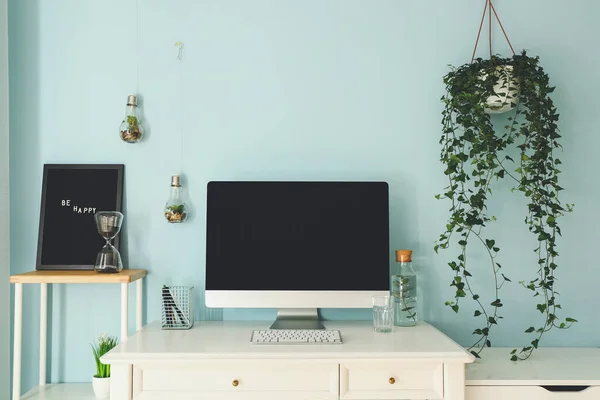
(4, 208)
(266, 89)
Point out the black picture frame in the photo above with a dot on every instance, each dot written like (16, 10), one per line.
(71, 195)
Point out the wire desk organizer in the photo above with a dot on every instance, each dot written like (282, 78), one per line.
(177, 307)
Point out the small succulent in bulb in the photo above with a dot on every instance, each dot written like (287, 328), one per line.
(131, 130)
(176, 209)
(176, 213)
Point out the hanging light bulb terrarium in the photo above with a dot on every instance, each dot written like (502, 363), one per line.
(176, 210)
(131, 127)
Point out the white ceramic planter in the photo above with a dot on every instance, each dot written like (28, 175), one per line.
(101, 387)
(507, 92)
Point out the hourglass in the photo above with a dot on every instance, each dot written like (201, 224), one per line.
(108, 224)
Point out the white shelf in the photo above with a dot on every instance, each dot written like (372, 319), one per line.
(546, 366)
(61, 391)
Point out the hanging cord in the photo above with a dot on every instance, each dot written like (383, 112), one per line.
(490, 25)
(489, 10)
(501, 27)
(479, 32)
(137, 47)
(179, 48)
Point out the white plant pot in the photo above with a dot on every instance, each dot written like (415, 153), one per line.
(506, 91)
(101, 387)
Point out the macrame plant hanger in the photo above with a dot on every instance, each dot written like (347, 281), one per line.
(489, 8)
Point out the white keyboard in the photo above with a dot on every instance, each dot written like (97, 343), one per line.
(296, 336)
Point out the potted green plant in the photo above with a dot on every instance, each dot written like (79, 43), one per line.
(101, 380)
(476, 151)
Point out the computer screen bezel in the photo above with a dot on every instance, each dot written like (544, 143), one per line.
(297, 298)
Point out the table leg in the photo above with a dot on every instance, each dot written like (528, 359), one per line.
(138, 313)
(124, 308)
(18, 329)
(120, 382)
(454, 381)
(43, 330)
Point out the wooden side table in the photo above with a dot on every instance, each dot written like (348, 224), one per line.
(43, 278)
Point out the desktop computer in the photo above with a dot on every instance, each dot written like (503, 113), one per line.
(296, 246)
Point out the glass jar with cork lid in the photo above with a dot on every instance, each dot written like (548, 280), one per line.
(404, 289)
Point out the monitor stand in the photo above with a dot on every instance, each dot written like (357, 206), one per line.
(297, 318)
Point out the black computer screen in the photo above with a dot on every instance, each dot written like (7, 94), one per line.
(325, 236)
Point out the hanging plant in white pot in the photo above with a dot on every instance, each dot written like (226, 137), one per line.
(505, 90)
(475, 153)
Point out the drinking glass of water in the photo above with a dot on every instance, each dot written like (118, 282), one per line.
(383, 313)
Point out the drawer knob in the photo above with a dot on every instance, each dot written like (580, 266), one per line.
(235, 382)
(392, 380)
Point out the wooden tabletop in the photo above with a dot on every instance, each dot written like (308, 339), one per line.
(84, 276)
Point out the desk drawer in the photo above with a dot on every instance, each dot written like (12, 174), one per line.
(237, 379)
(528, 393)
(391, 380)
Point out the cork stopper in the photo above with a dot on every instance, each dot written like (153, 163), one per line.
(404, 255)
(131, 100)
(175, 181)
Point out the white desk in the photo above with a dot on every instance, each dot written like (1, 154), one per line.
(215, 360)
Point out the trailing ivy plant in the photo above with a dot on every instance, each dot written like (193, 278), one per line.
(475, 154)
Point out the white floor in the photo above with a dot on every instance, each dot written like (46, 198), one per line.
(62, 391)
